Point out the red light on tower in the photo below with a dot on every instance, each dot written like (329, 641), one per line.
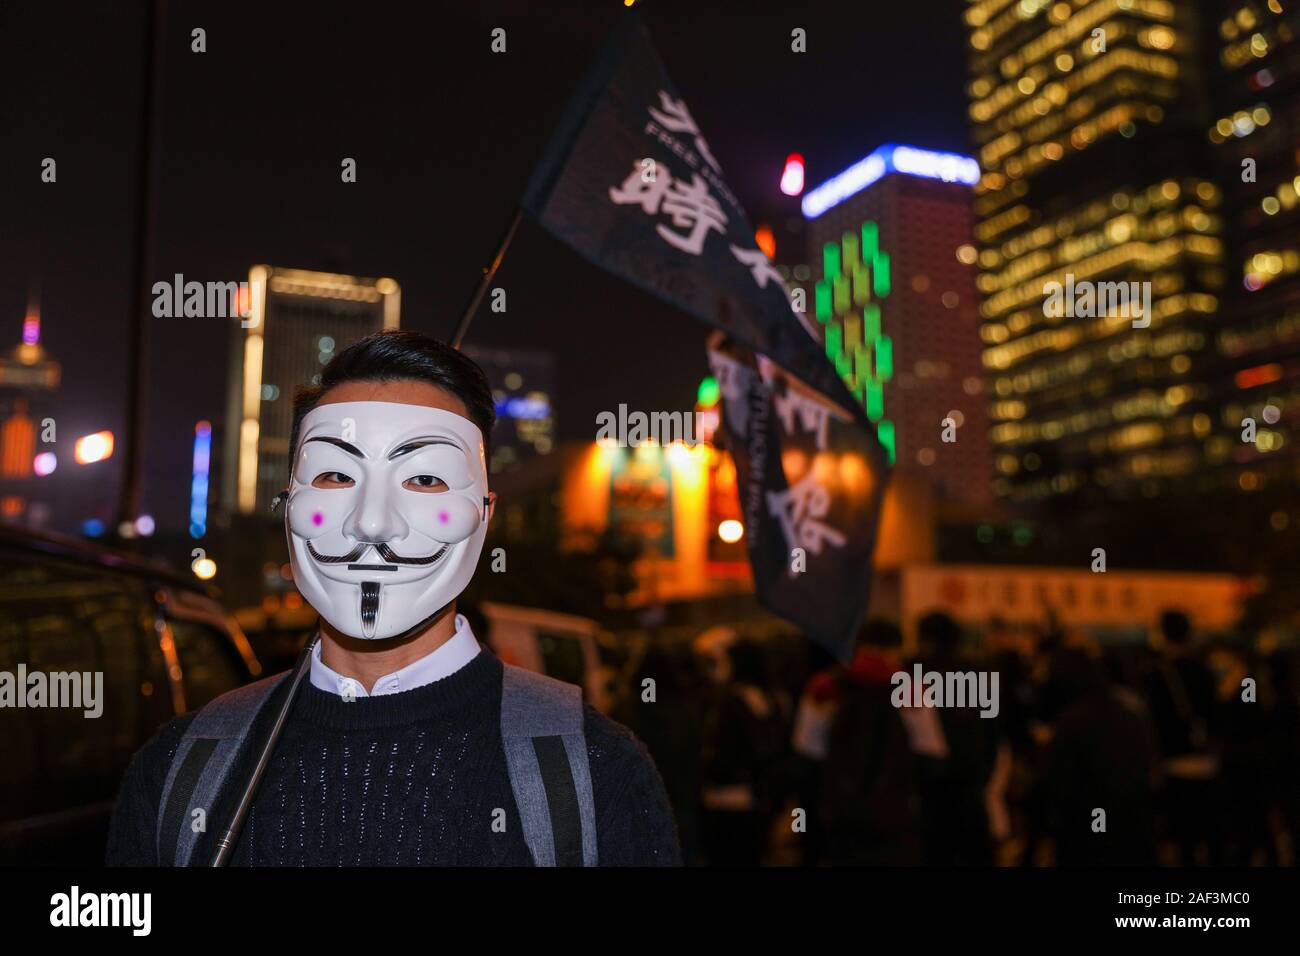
(792, 175)
(1257, 376)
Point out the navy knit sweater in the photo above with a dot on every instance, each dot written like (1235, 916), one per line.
(408, 779)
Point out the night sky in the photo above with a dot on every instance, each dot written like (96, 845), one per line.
(252, 133)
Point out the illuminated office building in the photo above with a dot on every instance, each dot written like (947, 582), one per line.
(896, 301)
(523, 388)
(1256, 137)
(293, 323)
(1087, 121)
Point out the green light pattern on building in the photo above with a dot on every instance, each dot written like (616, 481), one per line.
(856, 273)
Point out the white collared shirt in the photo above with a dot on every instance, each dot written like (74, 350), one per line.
(441, 662)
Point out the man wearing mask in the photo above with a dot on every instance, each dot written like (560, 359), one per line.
(408, 743)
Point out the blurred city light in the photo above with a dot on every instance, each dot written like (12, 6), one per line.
(93, 448)
(45, 463)
(792, 175)
(526, 407)
(205, 569)
(890, 158)
(708, 393)
(199, 479)
(731, 531)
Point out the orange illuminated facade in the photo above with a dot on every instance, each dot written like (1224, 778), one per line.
(671, 500)
(695, 547)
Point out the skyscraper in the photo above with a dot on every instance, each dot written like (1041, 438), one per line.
(295, 322)
(523, 389)
(1088, 117)
(1256, 137)
(896, 297)
(28, 374)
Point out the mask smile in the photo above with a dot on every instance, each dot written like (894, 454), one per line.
(384, 551)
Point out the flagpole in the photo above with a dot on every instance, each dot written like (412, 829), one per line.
(489, 273)
(230, 837)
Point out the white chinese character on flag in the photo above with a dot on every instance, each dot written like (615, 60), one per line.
(690, 205)
(813, 415)
(798, 509)
(761, 268)
(676, 118)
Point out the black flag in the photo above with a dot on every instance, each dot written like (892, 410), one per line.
(629, 181)
(811, 483)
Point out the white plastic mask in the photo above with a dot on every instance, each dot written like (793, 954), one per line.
(388, 508)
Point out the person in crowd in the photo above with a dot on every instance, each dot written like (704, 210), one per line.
(1247, 738)
(1100, 768)
(818, 702)
(953, 787)
(745, 759)
(1282, 665)
(668, 717)
(1010, 652)
(871, 808)
(1180, 693)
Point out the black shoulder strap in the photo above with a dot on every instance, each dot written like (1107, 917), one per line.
(203, 760)
(546, 755)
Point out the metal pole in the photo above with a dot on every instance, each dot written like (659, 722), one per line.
(226, 845)
(129, 495)
(488, 274)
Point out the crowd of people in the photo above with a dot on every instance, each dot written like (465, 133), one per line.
(1183, 751)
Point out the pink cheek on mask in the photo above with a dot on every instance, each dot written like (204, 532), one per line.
(318, 518)
(442, 516)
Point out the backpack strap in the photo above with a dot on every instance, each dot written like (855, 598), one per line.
(546, 755)
(203, 760)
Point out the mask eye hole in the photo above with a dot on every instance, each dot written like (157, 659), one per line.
(332, 479)
(425, 483)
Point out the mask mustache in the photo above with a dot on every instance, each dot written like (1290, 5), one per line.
(384, 550)
(388, 555)
(352, 555)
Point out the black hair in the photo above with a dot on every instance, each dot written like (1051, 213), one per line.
(1073, 674)
(880, 632)
(403, 355)
(748, 665)
(1175, 626)
(939, 631)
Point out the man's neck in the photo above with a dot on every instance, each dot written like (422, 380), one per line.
(367, 661)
